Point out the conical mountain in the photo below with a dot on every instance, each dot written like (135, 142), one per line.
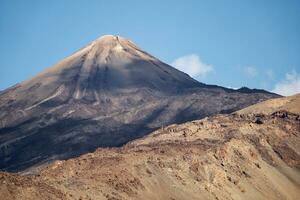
(110, 63)
(105, 94)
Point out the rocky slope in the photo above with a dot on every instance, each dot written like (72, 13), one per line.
(104, 95)
(249, 155)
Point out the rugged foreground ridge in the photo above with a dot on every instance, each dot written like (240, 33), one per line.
(104, 95)
(244, 155)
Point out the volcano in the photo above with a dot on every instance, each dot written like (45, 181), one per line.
(104, 95)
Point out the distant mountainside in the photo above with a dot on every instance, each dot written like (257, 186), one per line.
(104, 95)
(244, 155)
(290, 104)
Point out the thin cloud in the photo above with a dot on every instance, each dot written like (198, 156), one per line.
(270, 74)
(192, 65)
(289, 86)
(251, 71)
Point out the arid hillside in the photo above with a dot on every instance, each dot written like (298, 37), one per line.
(290, 104)
(250, 154)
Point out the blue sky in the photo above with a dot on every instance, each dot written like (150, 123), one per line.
(232, 43)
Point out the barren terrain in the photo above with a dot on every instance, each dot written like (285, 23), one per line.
(250, 154)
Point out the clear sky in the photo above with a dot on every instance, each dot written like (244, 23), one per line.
(233, 43)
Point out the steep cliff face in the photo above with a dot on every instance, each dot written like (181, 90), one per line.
(106, 94)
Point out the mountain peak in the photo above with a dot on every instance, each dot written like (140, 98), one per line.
(110, 63)
(110, 38)
(107, 39)
(114, 48)
(107, 36)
